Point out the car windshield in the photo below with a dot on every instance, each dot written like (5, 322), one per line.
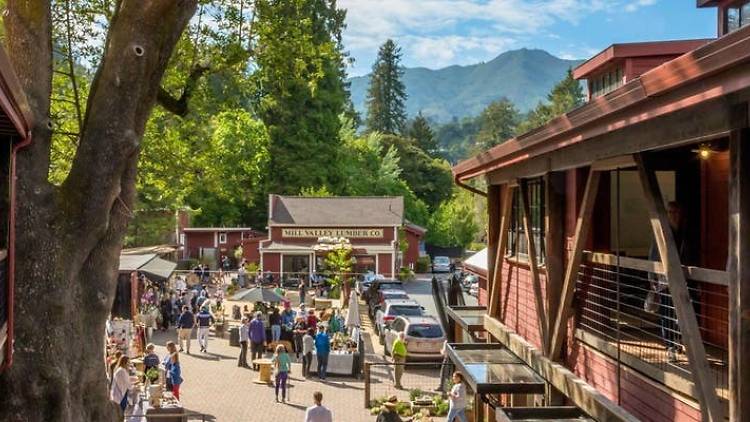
(405, 310)
(425, 331)
(442, 260)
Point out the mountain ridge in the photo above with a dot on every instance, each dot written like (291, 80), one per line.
(524, 76)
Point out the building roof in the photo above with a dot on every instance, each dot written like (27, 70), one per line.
(16, 114)
(219, 229)
(156, 249)
(708, 73)
(637, 49)
(336, 211)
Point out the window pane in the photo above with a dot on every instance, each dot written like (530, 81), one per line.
(733, 19)
(745, 14)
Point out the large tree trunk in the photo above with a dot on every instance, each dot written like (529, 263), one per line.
(69, 237)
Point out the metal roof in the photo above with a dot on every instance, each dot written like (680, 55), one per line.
(156, 268)
(336, 211)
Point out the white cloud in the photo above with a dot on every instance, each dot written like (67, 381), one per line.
(635, 5)
(435, 33)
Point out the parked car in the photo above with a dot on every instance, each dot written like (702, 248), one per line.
(364, 284)
(381, 284)
(379, 299)
(441, 264)
(423, 335)
(393, 308)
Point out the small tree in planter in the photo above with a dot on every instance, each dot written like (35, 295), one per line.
(339, 263)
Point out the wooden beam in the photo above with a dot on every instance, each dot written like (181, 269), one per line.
(581, 394)
(534, 265)
(554, 242)
(739, 279)
(583, 227)
(493, 229)
(502, 244)
(678, 288)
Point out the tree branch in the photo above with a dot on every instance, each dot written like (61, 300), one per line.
(179, 106)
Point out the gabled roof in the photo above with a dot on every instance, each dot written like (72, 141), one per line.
(336, 211)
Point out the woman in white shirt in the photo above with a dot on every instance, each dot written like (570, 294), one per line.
(121, 383)
(457, 397)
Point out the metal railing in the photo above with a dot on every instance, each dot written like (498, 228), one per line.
(418, 378)
(627, 312)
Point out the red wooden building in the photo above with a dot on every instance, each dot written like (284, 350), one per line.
(371, 224)
(15, 133)
(210, 243)
(619, 234)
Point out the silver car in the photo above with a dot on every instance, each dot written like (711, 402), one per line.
(424, 337)
(393, 308)
(441, 264)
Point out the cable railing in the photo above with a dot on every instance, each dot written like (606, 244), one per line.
(627, 312)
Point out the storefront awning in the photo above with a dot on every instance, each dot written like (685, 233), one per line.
(490, 368)
(155, 268)
(279, 247)
(470, 318)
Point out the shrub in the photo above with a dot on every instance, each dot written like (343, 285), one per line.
(424, 264)
(414, 393)
(405, 274)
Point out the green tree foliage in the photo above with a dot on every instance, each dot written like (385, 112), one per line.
(564, 97)
(301, 74)
(456, 138)
(419, 129)
(386, 95)
(497, 124)
(429, 178)
(453, 224)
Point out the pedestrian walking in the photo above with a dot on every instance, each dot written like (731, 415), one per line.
(241, 276)
(298, 330)
(185, 328)
(318, 412)
(457, 399)
(283, 365)
(398, 351)
(257, 335)
(302, 289)
(165, 307)
(275, 321)
(244, 333)
(121, 384)
(175, 374)
(308, 343)
(167, 363)
(205, 320)
(322, 350)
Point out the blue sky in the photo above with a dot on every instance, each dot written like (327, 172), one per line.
(439, 33)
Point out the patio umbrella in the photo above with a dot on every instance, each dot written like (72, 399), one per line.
(257, 294)
(352, 313)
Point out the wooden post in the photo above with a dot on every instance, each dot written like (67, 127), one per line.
(739, 275)
(554, 242)
(688, 323)
(583, 226)
(502, 244)
(367, 384)
(533, 265)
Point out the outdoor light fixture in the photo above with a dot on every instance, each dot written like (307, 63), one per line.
(704, 151)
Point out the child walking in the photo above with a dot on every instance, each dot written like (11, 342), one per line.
(457, 397)
(283, 364)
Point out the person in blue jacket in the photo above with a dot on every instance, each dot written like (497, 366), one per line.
(322, 350)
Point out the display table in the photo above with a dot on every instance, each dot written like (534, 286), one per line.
(338, 363)
(264, 374)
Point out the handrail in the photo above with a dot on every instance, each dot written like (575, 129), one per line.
(705, 275)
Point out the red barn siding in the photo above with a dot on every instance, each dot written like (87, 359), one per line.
(272, 262)
(385, 264)
(412, 253)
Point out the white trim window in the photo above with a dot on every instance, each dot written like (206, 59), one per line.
(223, 237)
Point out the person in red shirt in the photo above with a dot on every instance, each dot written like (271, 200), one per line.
(312, 320)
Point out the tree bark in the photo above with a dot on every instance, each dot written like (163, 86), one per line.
(69, 238)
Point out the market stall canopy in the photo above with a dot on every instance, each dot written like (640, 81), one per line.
(155, 268)
(257, 294)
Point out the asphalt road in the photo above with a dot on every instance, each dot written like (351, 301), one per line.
(421, 291)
